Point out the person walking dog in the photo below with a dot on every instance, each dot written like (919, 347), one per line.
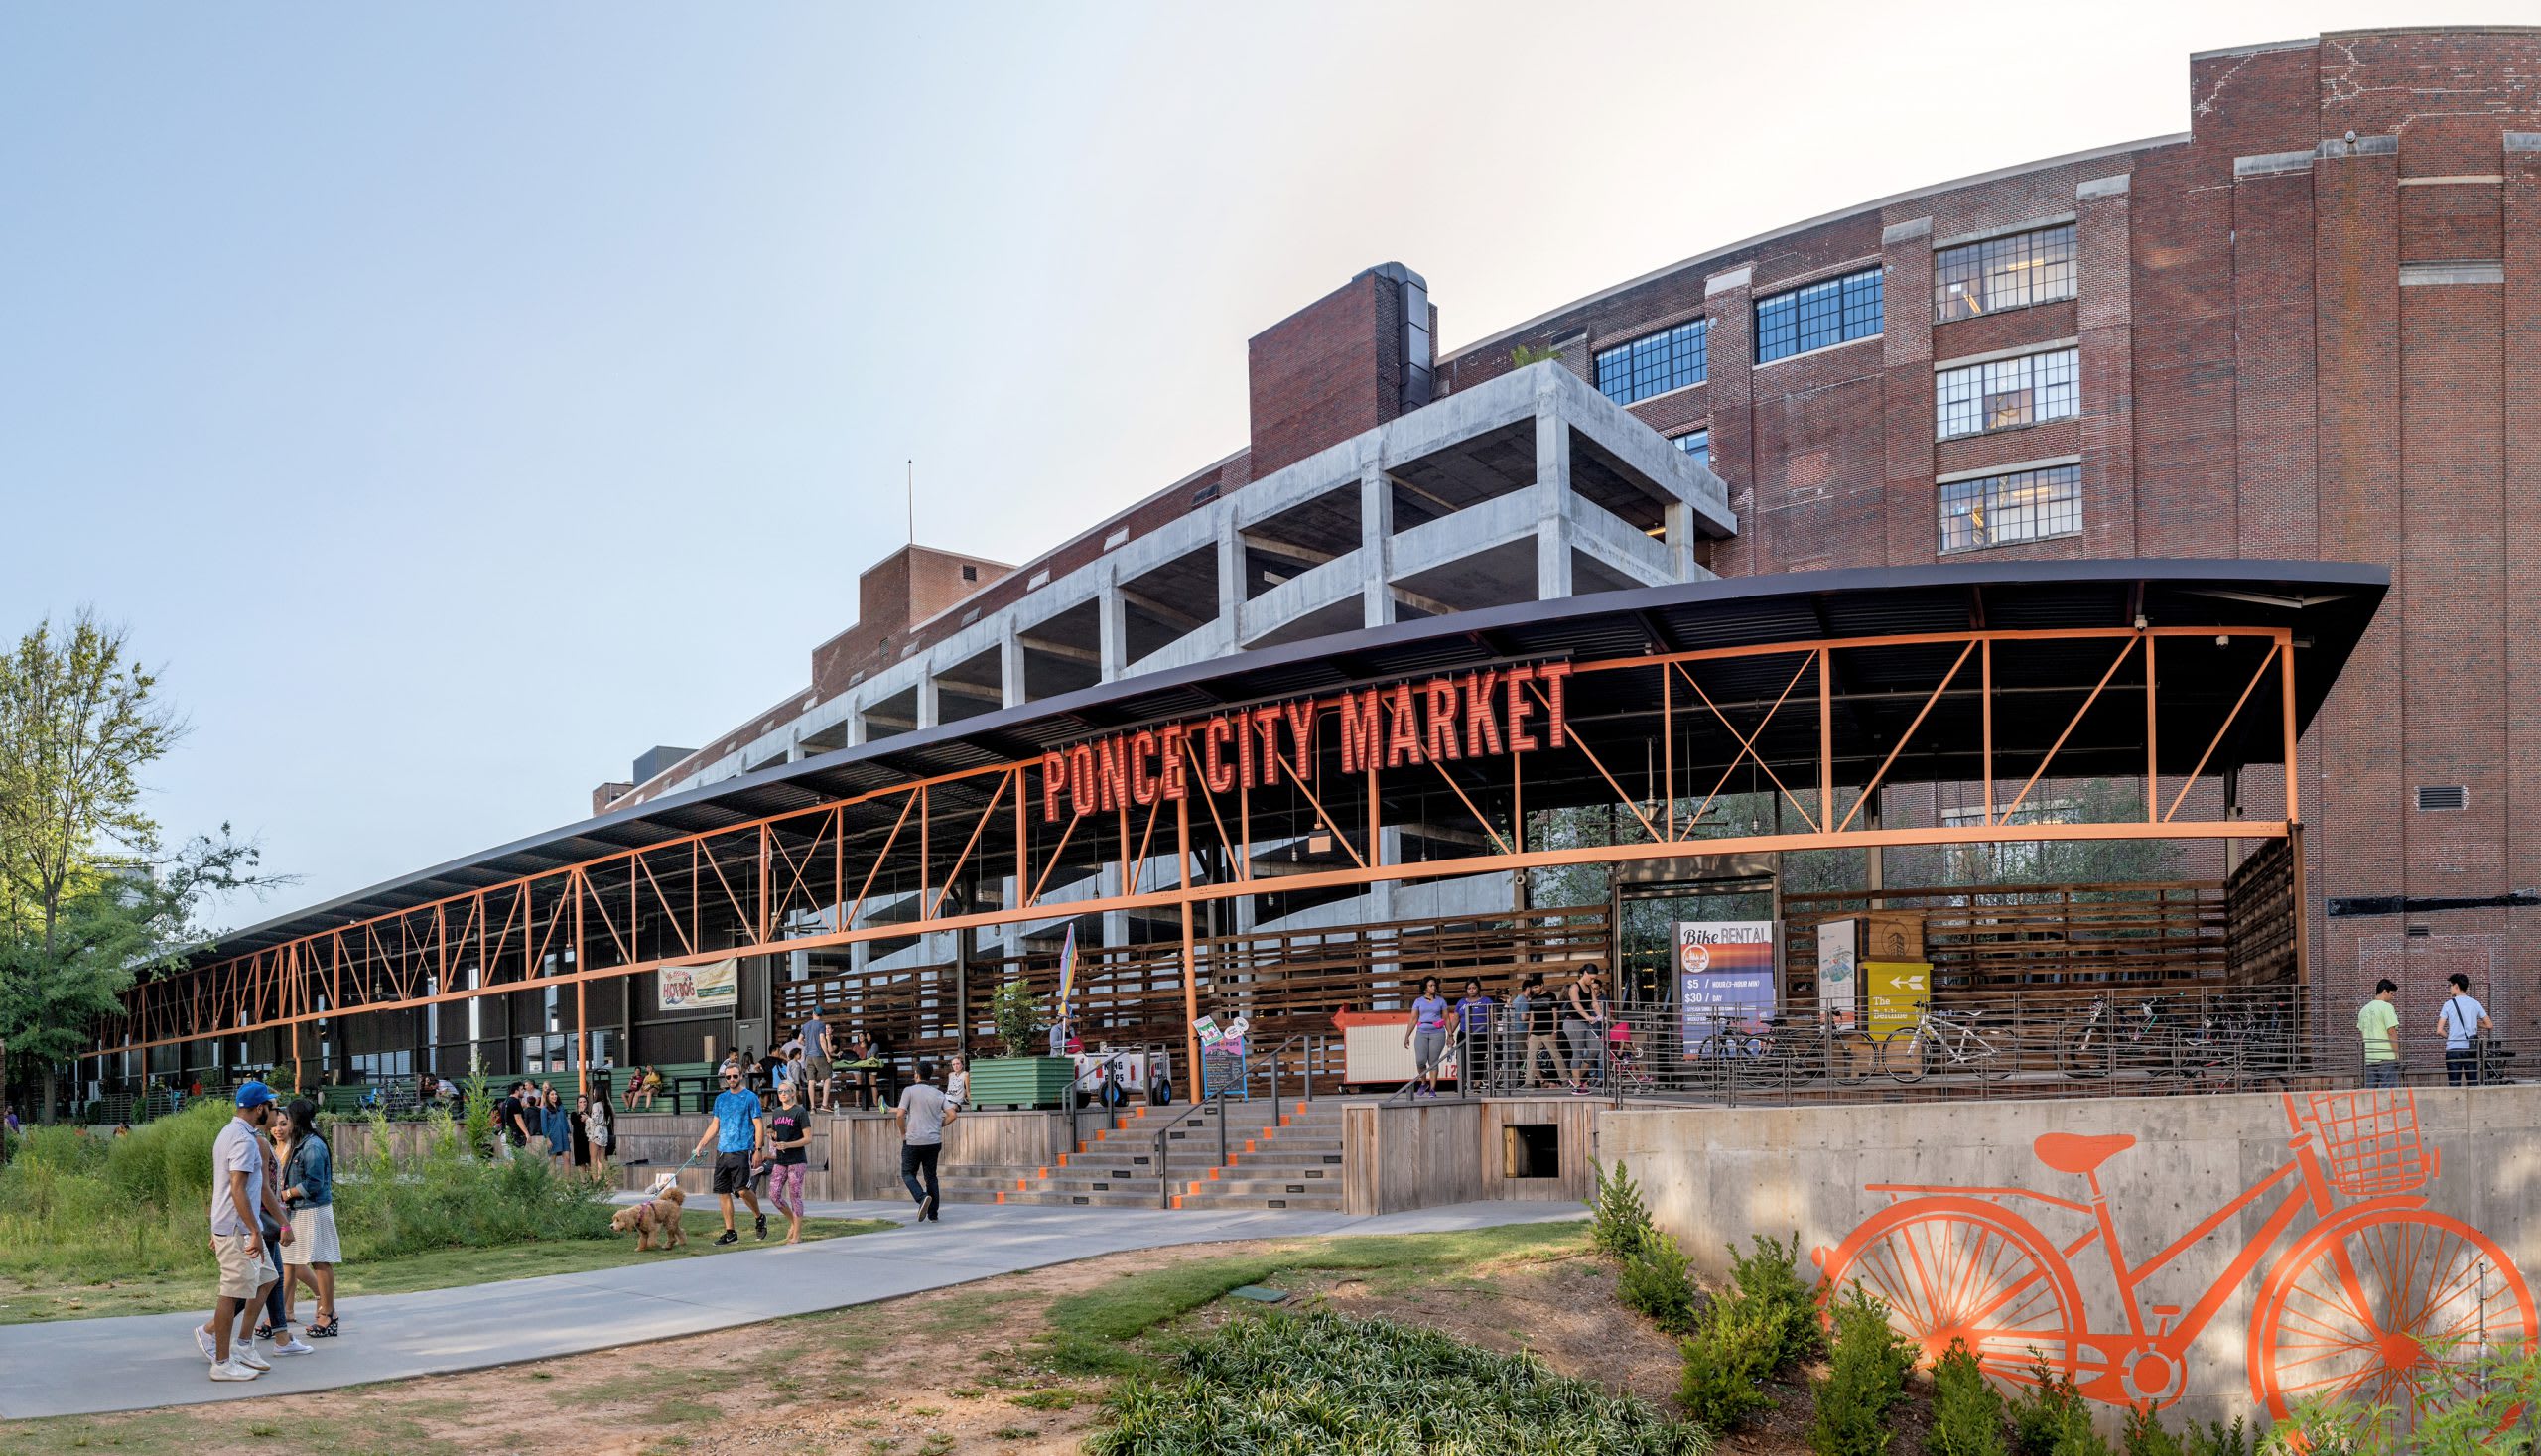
(740, 1134)
(923, 1115)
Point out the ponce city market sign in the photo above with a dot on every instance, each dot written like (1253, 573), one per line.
(1443, 719)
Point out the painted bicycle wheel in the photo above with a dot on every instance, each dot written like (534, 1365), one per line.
(2385, 1305)
(1962, 1268)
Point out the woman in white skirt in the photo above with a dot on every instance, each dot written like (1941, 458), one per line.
(309, 1191)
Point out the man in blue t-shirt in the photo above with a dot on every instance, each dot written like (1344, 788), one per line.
(740, 1135)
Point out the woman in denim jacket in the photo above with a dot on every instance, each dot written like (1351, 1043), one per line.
(309, 1191)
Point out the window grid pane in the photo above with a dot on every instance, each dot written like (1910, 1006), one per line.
(2007, 394)
(2003, 273)
(1672, 359)
(1696, 446)
(1819, 316)
(2025, 505)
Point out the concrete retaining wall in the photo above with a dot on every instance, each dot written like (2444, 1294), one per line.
(2293, 1289)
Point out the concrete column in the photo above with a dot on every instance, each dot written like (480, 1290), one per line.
(1231, 578)
(1381, 895)
(929, 700)
(1375, 540)
(794, 748)
(1552, 502)
(1115, 629)
(1010, 669)
(856, 734)
(1115, 923)
(1681, 540)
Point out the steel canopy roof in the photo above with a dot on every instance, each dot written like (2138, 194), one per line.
(2327, 606)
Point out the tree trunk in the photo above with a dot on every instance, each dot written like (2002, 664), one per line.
(46, 1115)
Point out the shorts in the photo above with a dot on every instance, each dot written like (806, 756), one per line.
(1428, 1049)
(732, 1172)
(819, 1067)
(313, 1237)
(243, 1276)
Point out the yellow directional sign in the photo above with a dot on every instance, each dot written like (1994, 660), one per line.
(1897, 993)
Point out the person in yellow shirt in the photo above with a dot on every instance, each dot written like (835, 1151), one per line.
(2379, 1024)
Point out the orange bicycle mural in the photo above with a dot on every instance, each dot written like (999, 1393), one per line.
(2381, 1298)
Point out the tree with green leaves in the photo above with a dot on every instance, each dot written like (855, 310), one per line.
(90, 895)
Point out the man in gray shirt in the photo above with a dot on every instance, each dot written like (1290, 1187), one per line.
(923, 1113)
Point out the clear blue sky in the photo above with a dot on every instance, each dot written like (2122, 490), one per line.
(459, 399)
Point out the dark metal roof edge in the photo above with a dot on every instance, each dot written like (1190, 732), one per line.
(1718, 590)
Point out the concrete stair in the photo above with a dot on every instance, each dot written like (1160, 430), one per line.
(1277, 1158)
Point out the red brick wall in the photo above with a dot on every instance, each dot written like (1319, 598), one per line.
(1325, 372)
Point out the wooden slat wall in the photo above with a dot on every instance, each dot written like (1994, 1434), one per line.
(2039, 942)
(2265, 920)
(1286, 983)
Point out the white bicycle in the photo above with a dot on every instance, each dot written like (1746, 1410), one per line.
(1944, 1041)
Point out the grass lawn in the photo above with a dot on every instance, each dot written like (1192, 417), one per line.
(25, 1302)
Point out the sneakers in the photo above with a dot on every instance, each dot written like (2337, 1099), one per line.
(290, 1346)
(926, 1209)
(210, 1347)
(233, 1371)
(762, 1226)
(246, 1356)
(729, 1237)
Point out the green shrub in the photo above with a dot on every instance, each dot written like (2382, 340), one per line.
(2496, 1419)
(1770, 1277)
(1337, 1387)
(2217, 1440)
(2052, 1420)
(1617, 1220)
(1968, 1411)
(1736, 1344)
(1864, 1382)
(1656, 1283)
(2145, 1435)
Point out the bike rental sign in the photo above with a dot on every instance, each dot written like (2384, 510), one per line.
(1724, 978)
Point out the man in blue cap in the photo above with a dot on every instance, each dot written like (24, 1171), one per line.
(237, 1192)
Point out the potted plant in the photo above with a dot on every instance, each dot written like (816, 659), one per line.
(1022, 1078)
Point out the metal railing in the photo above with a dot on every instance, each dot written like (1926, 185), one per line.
(2117, 1045)
(1163, 1167)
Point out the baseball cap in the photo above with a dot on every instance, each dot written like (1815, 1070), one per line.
(254, 1094)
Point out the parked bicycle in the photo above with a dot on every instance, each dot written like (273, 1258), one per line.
(1945, 1041)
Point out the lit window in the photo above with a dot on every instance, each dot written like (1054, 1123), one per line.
(2006, 394)
(2024, 505)
(1696, 446)
(2003, 273)
(1834, 311)
(1669, 360)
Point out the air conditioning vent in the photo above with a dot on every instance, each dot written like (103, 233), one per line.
(2442, 797)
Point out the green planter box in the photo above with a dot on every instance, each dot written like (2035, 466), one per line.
(1022, 1082)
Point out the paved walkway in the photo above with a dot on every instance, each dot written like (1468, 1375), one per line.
(91, 1367)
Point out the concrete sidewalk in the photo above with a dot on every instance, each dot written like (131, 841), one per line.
(91, 1367)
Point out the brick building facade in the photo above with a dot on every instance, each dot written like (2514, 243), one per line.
(2304, 328)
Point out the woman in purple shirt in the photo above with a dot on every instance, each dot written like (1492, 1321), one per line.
(1427, 1035)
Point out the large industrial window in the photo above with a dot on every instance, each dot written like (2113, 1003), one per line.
(1822, 313)
(2025, 505)
(2006, 394)
(1669, 360)
(1696, 446)
(2003, 273)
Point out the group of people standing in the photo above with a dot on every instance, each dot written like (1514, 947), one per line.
(1535, 1022)
(534, 1118)
(273, 1232)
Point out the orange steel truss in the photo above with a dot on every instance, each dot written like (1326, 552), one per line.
(829, 875)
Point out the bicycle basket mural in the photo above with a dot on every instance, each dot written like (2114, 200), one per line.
(2363, 1290)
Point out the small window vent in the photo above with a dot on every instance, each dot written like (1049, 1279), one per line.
(1205, 493)
(2421, 932)
(969, 573)
(2437, 797)
(1040, 579)
(1120, 537)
